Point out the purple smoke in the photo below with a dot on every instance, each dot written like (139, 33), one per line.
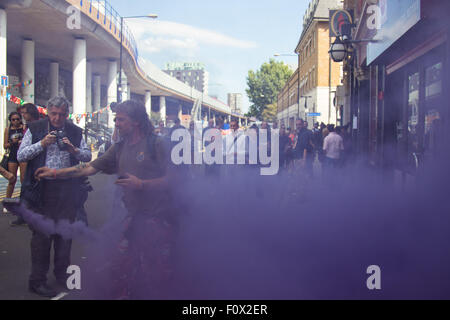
(63, 228)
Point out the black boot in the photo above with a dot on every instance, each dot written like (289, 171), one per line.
(18, 222)
(43, 290)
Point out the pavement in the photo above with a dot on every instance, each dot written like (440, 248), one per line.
(15, 261)
(4, 184)
(15, 243)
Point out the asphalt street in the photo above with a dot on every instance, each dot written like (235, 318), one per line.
(15, 243)
(15, 261)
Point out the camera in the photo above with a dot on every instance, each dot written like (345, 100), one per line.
(60, 134)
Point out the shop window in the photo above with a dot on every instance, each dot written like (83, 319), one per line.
(413, 114)
(433, 80)
(433, 108)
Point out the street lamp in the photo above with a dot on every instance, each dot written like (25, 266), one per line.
(338, 50)
(342, 48)
(119, 88)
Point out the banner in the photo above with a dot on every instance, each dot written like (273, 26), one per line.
(43, 110)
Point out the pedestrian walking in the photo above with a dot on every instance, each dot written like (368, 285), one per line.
(333, 146)
(304, 149)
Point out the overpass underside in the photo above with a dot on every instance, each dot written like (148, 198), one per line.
(40, 45)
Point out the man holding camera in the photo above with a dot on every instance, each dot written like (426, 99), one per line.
(54, 143)
(142, 267)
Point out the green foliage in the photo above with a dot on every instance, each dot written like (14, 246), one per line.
(264, 86)
(269, 113)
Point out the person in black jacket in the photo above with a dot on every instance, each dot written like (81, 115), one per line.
(305, 147)
(55, 143)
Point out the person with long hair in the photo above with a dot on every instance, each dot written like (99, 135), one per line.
(13, 139)
(141, 267)
(29, 114)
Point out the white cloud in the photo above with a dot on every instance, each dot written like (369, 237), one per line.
(156, 36)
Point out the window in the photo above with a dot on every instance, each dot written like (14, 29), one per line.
(433, 81)
(413, 113)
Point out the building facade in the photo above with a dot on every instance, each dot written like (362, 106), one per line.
(191, 73)
(310, 92)
(397, 87)
(235, 102)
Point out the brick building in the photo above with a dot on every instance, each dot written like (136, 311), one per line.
(312, 88)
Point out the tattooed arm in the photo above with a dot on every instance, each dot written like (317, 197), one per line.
(81, 170)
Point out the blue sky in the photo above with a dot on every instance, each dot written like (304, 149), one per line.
(229, 37)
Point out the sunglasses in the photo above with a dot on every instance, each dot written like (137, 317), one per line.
(15, 119)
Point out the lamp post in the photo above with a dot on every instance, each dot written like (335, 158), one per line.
(119, 87)
(341, 49)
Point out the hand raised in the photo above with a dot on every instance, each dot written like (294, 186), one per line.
(70, 147)
(48, 140)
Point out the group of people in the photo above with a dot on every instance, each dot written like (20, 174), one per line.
(327, 144)
(18, 125)
(58, 161)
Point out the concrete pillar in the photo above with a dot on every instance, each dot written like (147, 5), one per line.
(112, 89)
(89, 87)
(112, 81)
(162, 109)
(96, 98)
(79, 79)
(28, 70)
(214, 118)
(54, 79)
(124, 90)
(3, 71)
(180, 112)
(148, 102)
(128, 91)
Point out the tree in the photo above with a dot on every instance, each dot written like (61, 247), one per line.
(264, 86)
(270, 113)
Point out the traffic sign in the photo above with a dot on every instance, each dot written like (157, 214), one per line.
(5, 81)
(314, 114)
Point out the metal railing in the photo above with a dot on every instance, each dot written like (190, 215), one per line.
(111, 20)
(107, 16)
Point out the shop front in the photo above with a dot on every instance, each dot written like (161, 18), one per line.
(408, 95)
